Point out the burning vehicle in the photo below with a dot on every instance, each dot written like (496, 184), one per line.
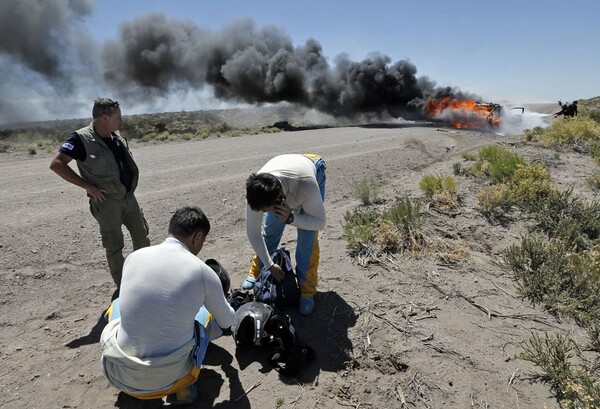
(464, 113)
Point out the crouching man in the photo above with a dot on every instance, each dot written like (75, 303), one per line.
(171, 305)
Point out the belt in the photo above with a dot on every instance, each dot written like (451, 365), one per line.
(315, 158)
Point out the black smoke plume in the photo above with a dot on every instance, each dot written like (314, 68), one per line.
(245, 63)
(155, 56)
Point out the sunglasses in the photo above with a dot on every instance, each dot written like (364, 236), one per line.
(108, 109)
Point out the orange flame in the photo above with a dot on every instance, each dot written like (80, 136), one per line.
(466, 113)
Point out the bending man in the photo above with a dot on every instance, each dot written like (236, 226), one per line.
(290, 189)
(171, 305)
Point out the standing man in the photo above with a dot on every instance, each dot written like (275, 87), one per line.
(290, 189)
(109, 175)
(171, 305)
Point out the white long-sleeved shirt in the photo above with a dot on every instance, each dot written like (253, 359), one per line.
(298, 176)
(162, 290)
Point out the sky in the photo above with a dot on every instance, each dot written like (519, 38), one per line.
(340, 57)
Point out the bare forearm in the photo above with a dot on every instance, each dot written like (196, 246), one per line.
(64, 171)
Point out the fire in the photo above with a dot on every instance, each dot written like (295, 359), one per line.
(466, 113)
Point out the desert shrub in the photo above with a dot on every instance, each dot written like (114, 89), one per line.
(431, 185)
(252, 131)
(5, 134)
(539, 267)
(581, 391)
(570, 218)
(371, 234)
(32, 149)
(441, 190)
(594, 180)
(367, 190)
(534, 134)
(203, 132)
(495, 200)
(271, 129)
(552, 355)
(160, 127)
(57, 137)
(458, 169)
(387, 237)
(593, 333)
(594, 115)
(575, 386)
(134, 130)
(497, 163)
(580, 129)
(405, 214)
(222, 128)
(359, 226)
(548, 273)
(469, 156)
(529, 185)
(581, 299)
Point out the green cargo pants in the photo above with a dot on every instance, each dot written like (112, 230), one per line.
(111, 215)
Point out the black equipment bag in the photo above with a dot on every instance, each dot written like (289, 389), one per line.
(279, 294)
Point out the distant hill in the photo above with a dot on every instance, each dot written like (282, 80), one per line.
(252, 117)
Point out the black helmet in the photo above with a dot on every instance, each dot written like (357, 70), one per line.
(221, 272)
(249, 323)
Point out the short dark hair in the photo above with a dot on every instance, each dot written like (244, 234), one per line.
(187, 221)
(103, 106)
(263, 189)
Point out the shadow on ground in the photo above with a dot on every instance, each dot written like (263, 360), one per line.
(93, 336)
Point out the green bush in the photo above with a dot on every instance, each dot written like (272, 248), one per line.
(405, 214)
(553, 356)
(495, 200)
(32, 149)
(530, 185)
(574, 386)
(359, 227)
(222, 128)
(548, 272)
(431, 185)
(594, 180)
(579, 129)
(534, 134)
(539, 268)
(497, 163)
(271, 129)
(369, 234)
(594, 115)
(570, 218)
(367, 190)
(469, 156)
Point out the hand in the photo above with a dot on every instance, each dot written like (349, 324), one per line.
(282, 211)
(96, 193)
(277, 272)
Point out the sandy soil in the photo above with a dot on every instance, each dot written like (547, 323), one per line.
(409, 333)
